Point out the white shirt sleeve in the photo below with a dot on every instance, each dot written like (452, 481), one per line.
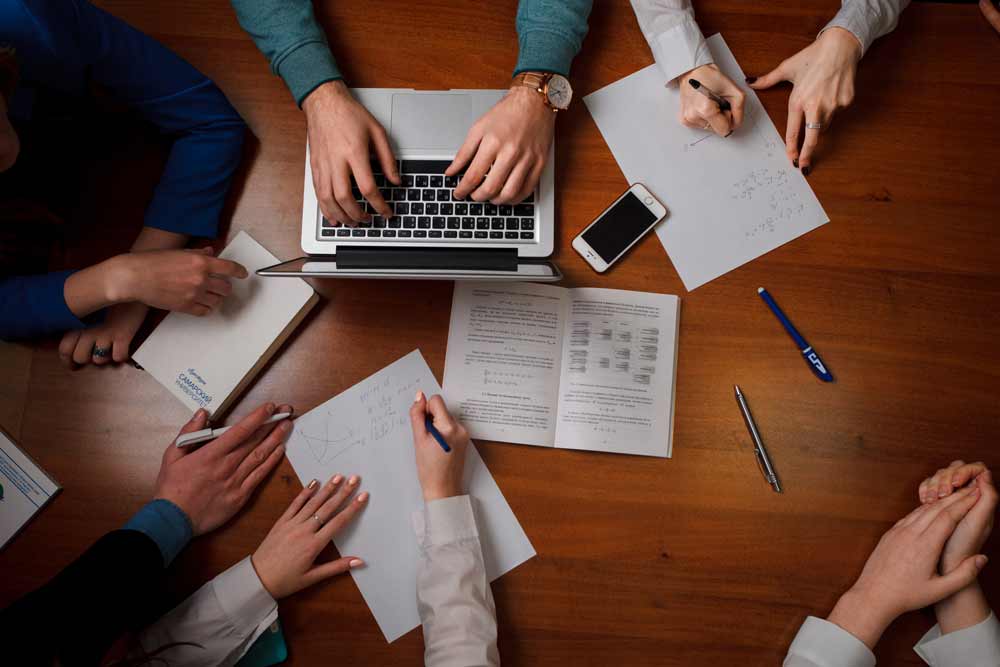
(453, 592)
(821, 643)
(868, 19)
(976, 646)
(673, 35)
(217, 624)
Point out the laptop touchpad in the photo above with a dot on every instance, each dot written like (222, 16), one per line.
(431, 121)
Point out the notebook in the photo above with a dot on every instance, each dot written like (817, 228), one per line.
(580, 368)
(24, 489)
(207, 362)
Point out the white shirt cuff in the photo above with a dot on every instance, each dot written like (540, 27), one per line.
(445, 521)
(969, 647)
(680, 49)
(243, 597)
(824, 643)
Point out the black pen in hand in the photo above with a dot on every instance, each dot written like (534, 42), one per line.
(724, 104)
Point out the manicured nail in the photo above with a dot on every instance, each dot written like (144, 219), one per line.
(337, 479)
(356, 562)
(419, 397)
(362, 497)
(751, 79)
(942, 493)
(795, 163)
(353, 480)
(313, 484)
(806, 171)
(981, 561)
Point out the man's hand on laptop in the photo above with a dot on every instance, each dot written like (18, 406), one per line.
(340, 132)
(505, 151)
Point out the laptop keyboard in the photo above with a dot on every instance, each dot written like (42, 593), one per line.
(427, 211)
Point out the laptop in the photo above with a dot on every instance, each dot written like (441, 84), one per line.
(433, 235)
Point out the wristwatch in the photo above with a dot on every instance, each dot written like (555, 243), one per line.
(554, 88)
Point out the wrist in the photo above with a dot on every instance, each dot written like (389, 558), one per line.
(962, 610)
(855, 613)
(117, 279)
(843, 40)
(331, 92)
(440, 493)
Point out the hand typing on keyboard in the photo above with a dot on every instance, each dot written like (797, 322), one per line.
(340, 131)
(506, 149)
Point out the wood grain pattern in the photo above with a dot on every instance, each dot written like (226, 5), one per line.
(688, 561)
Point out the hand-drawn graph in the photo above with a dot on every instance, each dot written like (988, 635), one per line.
(327, 442)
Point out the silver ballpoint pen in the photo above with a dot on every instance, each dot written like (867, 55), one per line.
(763, 460)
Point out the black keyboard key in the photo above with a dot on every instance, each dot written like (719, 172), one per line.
(365, 223)
(328, 232)
(402, 208)
(413, 195)
(356, 192)
(435, 233)
(467, 223)
(424, 166)
(450, 234)
(527, 223)
(461, 209)
(379, 180)
(450, 181)
(437, 181)
(408, 180)
(424, 222)
(409, 222)
(490, 209)
(482, 223)
(496, 235)
(357, 232)
(510, 235)
(447, 209)
(438, 222)
(378, 222)
(482, 235)
(453, 222)
(398, 194)
(327, 223)
(430, 195)
(530, 198)
(395, 223)
(524, 210)
(475, 209)
(506, 210)
(465, 235)
(343, 232)
(391, 233)
(374, 232)
(420, 234)
(527, 235)
(513, 223)
(416, 208)
(431, 209)
(497, 223)
(443, 195)
(405, 233)
(420, 181)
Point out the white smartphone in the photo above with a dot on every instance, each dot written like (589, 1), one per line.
(619, 227)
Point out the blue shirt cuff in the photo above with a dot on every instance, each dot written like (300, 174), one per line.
(543, 51)
(166, 524)
(35, 305)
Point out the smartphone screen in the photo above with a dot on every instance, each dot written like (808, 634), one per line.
(620, 226)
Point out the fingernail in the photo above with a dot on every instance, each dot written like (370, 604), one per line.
(270, 408)
(353, 480)
(751, 79)
(419, 397)
(337, 479)
(363, 497)
(730, 132)
(795, 163)
(313, 484)
(202, 412)
(981, 561)
(806, 171)
(942, 493)
(356, 562)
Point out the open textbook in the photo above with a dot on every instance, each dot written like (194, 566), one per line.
(366, 431)
(580, 368)
(730, 200)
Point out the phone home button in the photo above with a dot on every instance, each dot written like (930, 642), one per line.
(648, 200)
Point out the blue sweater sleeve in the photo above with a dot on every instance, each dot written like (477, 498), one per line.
(35, 306)
(166, 524)
(181, 102)
(550, 34)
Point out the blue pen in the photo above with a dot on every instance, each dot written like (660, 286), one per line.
(436, 434)
(809, 354)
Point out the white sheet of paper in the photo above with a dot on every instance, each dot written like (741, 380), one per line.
(366, 431)
(24, 489)
(729, 200)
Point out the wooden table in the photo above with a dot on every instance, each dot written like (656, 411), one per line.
(686, 561)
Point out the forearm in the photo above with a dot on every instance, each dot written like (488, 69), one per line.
(962, 610)
(868, 20)
(673, 35)
(854, 614)
(93, 288)
(151, 238)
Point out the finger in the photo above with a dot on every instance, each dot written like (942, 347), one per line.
(811, 141)
(345, 198)
(515, 184)
(720, 123)
(209, 300)
(120, 349)
(198, 310)
(792, 133)
(344, 517)
(225, 267)
(324, 571)
(262, 452)
(775, 76)
(366, 184)
(67, 345)
(476, 173)
(496, 178)
(258, 474)
(991, 13)
(197, 422)
(469, 148)
(940, 520)
(439, 413)
(236, 456)
(964, 474)
(328, 205)
(102, 342)
(386, 158)
(220, 286)
(84, 349)
(418, 416)
(319, 497)
(241, 431)
(738, 102)
(329, 509)
(531, 181)
(300, 500)
(948, 584)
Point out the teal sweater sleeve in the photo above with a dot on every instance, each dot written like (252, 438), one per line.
(550, 34)
(287, 33)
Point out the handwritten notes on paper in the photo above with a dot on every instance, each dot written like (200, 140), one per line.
(366, 431)
(730, 200)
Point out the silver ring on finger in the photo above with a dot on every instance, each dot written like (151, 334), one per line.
(319, 521)
(814, 126)
(101, 352)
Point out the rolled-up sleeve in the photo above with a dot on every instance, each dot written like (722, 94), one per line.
(868, 19)
(453, 592)
(975, 646)
(673, 35)
(820, 643)
(35, 305)
(550, 34)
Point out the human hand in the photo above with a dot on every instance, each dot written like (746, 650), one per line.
(699, 112)
(973, 530)
(822, 76)
(189, 281)
(440, 472)
(286, 560)
(902, 572)
(340, 130)
(991, 13)
(114, 335)
(505, 151)
(215, 480)
(946, 480)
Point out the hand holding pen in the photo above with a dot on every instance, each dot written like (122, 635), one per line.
(439, 442)
(711, 101)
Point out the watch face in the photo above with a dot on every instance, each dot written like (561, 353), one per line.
(560, 92)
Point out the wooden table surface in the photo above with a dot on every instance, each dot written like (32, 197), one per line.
(685, 561)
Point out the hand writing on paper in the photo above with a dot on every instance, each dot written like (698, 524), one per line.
(440, 472)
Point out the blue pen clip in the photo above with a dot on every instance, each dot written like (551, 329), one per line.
(808, 353)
